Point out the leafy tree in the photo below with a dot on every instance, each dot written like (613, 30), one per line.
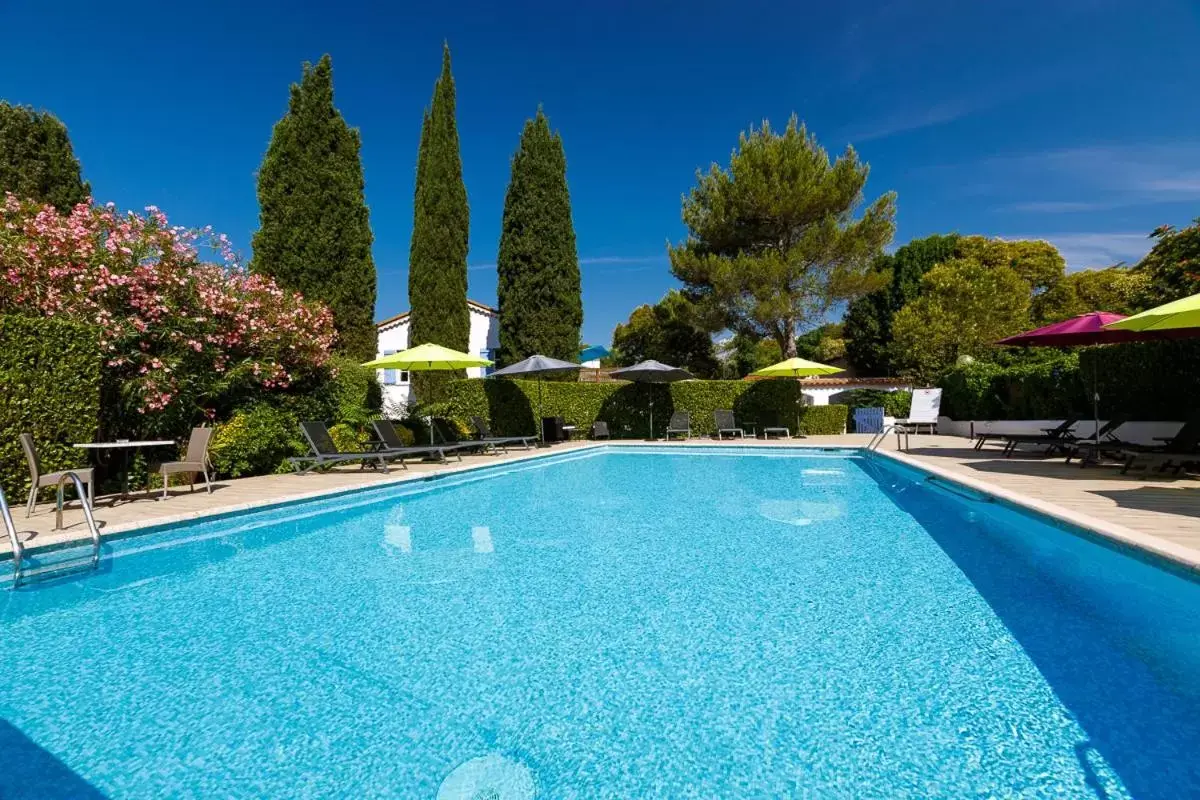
(541, 308)
(822, 344)
(666, 332)
(36, 159)
(773, 242)
(742, 354)
(437, 258)
(314, 231)
(1172, 267)
(868, 320)
(1116, 289)
(963, 308)
(1037, 261)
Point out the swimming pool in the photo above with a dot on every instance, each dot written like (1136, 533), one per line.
(623, 622)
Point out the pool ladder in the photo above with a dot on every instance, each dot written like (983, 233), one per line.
(22, 573)
(878, 438)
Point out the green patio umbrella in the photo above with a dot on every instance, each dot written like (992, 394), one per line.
(1170, 319)
(796, 368)
(428, 358)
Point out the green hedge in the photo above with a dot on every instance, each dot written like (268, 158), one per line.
(1142, 380)
(894, 404)
(50, 374)
(511, 406)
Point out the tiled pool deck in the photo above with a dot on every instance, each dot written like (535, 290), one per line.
(1157, 513)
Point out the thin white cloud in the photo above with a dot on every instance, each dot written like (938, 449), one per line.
(1103, 177)
(906, 121)
(1096, 250)
(479, 267)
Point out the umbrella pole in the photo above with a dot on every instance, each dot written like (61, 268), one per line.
(799, 394)
(651, 390)
(1096, 404)
(540, 423)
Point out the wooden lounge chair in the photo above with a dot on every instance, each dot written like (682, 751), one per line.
(39, 480)
(727, 423)
(195, 461)
(681, 422)
(1175, 453)
(484, 434)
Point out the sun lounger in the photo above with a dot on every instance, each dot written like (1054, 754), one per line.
(727, 423)
(1056, 438)
(600, 430)
(1088, 450)
(325, 453)
(681, 422)
(385, 429)
(485, 436)
(1175, 453)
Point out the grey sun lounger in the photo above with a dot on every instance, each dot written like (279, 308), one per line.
(325, 453)
(1088, 450)
(1056, 438)
(681, 423)
(485, 436)
(1177, 452)
(444, 438)
(726, 423)
(385, 429)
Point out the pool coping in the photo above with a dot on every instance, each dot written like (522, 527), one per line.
(1126, 539)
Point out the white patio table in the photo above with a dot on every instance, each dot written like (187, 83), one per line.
(126, 446)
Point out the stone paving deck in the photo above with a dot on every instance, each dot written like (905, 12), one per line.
(1155, 512)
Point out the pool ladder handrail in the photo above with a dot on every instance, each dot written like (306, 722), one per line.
(68, 565)
(877, 438)
(14, 541)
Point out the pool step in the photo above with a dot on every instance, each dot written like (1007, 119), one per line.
(28, 567)
(40, 568)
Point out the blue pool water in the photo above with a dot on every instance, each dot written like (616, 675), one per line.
(626, 624)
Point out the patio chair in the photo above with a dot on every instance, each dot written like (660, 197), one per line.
(195, 460)
(726, 423)
(923, 409)
(600, 430)
(39, 480)
(681, 422)
(772, 425)
(1175, 453)
(485, 435)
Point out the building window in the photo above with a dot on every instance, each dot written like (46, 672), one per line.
(490, 355)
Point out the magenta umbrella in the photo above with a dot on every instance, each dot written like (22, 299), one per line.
(1078, 331)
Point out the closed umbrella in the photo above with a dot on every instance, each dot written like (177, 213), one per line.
(652, 372)
(429, 357)
(537, 366)
(796, 368)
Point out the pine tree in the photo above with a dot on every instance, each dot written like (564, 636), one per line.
(36, 159)
(437, 257)
(541, 309)
(314, 231)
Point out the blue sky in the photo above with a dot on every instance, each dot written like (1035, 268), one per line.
(1075, 121)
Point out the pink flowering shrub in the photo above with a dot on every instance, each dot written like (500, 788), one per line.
(181, 337)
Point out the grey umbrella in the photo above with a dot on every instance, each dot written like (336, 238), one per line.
(652, 372)
(536, 366)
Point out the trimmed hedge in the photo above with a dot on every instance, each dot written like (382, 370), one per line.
(511, 406)
(1140, 380)
(894, 404)
(50, 373)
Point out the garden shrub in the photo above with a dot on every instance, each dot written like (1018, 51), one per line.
(50, 374)
(1144, 380)
(256, 441)
(894, 404)
(511, 406)
(1049, 388)
(348, 438)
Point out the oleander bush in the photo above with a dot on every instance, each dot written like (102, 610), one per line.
(50, 376)
(512, 406)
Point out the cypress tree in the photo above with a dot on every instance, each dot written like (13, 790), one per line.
(36, 159)
(541, 309)
(437, 258)
(314, 231)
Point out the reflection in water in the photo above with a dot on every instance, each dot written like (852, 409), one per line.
(481, 536)
(396, 535)
(800, 512)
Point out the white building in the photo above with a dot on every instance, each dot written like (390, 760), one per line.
(392, 338)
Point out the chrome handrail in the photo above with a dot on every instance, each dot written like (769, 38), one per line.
(87, 512)
(18, 551)
(879, 436)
